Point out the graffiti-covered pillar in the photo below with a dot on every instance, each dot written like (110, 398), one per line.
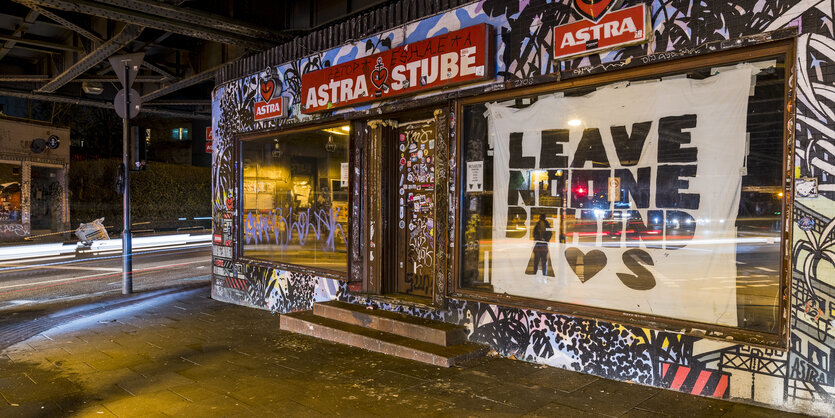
(441, 206)
(26, 196)
(358, 132)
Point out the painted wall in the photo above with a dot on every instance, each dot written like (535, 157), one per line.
(16, 137)
(802, 379)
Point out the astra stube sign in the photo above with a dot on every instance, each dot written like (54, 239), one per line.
(601, 29)
(456, 57)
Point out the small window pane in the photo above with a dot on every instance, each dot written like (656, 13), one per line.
(295, 198)
(10, 194)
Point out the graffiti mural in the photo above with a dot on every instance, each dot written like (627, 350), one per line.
(801, 379)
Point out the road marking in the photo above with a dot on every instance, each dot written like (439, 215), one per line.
(110, 269)
(766, 269)
(57, 282)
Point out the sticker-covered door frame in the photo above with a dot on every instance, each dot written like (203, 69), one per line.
(380, 195)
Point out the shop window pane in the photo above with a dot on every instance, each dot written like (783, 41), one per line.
(660, 196)
(10, 181)
(295, 198)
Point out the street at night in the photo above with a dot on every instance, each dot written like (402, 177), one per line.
(77, 278)
(533, 208)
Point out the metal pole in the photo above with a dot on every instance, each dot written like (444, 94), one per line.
(127, 261)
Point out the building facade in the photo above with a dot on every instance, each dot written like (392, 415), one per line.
(34, 164)
(640, 191)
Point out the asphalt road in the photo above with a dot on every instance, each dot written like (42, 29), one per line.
(78, 278)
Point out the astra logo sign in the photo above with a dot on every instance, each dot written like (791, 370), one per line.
(270, 106)
(601, 29)
(456, 57)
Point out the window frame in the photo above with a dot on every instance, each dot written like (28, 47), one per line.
(239, 199)
(780, 340)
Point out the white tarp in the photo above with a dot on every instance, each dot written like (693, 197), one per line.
(690, 183)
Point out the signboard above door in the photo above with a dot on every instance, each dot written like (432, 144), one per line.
(452, 58)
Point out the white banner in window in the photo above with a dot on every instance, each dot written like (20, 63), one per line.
(625, 198)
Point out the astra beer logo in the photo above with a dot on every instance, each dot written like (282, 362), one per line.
(601, 29)
(270, 106)
(593, 9)
(456, 57)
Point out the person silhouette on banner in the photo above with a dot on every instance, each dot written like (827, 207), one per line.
(541, 235)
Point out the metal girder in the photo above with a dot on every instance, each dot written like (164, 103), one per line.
(158, 70)
(186, 82)
(41, 44)
(44, 78)
(67, 24)
(97, 103)
(152, 21)
(19, 31)
(23, 78)
(196, 17)
(179, 103)
(128, 34)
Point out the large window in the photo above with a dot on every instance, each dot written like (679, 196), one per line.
(295, 198)
(660, 196)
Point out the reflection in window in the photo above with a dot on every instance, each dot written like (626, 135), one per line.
(10, 208)
(659, 196)
(295, 198)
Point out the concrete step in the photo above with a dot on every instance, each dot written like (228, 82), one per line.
(381, 342)
(420, 329)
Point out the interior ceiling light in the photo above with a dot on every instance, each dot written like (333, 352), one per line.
(336, 131)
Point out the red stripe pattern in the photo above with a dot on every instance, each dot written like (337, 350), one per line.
(695, 379)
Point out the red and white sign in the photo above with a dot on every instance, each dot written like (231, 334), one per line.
(452, 58)
(269, 107)
(209, 139)
(612, 29)
(275, 108)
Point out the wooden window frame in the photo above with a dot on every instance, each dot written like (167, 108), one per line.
(780, 340)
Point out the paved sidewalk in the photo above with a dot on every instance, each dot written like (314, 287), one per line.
(176, 352)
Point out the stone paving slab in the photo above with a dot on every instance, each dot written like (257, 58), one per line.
(183, 354)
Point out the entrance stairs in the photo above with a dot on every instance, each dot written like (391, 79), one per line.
(391, 333)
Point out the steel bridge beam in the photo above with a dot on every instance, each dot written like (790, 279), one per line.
(18, 33)
(42, 44)
(152, 21)
(67, 24)
(128, 34)
(98, 103)
(196, 17)
(186, 82)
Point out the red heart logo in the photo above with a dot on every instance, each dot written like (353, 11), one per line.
(230, 203)
(593, 9)
(267, 90)
(379, 77)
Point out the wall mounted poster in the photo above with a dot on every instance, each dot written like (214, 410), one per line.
(674, 146)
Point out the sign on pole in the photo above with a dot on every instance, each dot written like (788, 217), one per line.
(119, 103)
(126, 103)
(132, 62)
